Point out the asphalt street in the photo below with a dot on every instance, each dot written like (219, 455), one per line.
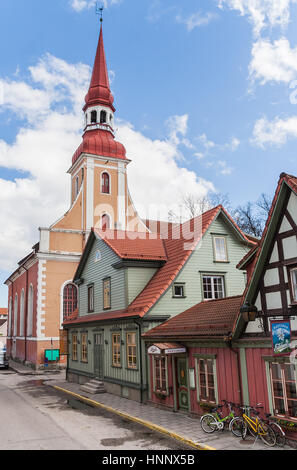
(36, 417)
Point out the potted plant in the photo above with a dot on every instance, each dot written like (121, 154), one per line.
(160, 394)
(206, 406)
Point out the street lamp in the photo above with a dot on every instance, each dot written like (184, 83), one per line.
(249, 312)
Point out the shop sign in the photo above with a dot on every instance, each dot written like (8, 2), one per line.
(281, 337)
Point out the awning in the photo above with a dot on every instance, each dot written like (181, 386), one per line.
(166, 348)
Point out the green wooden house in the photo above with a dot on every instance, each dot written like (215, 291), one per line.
(130, 282)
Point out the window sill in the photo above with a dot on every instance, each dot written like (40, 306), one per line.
(221, 262)
(116, 367)
(179, 296)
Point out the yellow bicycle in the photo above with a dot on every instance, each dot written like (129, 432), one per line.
(256, 427)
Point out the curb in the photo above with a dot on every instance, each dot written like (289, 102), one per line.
(148, 424)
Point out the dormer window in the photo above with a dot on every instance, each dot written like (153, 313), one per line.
(103, 117)
(93, 117)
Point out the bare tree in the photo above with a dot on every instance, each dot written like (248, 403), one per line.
(250, 217)
(248, 220)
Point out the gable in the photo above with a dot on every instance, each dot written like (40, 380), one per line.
(98, 266)
(271, 293)
(201, 261)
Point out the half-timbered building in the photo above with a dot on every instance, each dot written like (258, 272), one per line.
(224, 349)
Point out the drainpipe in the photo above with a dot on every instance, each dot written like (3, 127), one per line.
(140, 360)
(228, 340)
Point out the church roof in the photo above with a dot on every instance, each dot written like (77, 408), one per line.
(100, 141)
(99, 90)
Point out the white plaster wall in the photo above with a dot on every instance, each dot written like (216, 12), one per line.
(273, 300)
(274, 255)
(271, 277)
(290, 247)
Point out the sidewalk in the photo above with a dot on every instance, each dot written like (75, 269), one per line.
(25, 370)
(178, 426)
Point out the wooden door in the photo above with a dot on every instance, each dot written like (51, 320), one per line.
(98, 356)
(182, 384)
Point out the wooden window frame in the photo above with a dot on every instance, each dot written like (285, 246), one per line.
(283, 382)
(134, 346)
(212, 276)
(84, 348)
(91, 286)
(163, 380)
(290, 269)
(116, 350)
(70, 303)
(223, 237)
(74, 349)
(215, 388)
(107, 279)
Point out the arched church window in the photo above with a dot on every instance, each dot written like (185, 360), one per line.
(15, 315)
(69, 300)
(105, 222)
(105, 183)
(22, 313)
(102, 117)
(93, 117)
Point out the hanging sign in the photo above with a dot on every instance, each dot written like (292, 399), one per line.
(281, 337)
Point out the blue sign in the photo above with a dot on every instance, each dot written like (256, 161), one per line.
(281, 337)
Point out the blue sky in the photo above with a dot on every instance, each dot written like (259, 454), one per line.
(202, 92)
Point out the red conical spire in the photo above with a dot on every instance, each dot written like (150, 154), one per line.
(99, 91)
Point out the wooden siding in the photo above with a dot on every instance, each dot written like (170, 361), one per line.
(202, 261)
(137, 279)
(95, 272)
(111, 373)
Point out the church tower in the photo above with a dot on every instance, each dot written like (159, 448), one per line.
(40, 291)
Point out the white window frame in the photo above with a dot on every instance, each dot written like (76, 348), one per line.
(214, 276)
(216, 257)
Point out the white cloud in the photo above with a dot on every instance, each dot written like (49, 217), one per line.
(274, 133)
(50, 103)
(262, 13)
(79, 5)
(273, 61)
(196, 19)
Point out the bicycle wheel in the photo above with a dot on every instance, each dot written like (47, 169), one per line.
(280, 435)
(238, 427)
(209, 423)
(267, 434)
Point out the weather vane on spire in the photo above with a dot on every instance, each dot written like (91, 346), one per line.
(99, 11)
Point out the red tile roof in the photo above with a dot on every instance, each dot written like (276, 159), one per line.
(175, 249)
(134, 245)
(212, 318)
(3, 311)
